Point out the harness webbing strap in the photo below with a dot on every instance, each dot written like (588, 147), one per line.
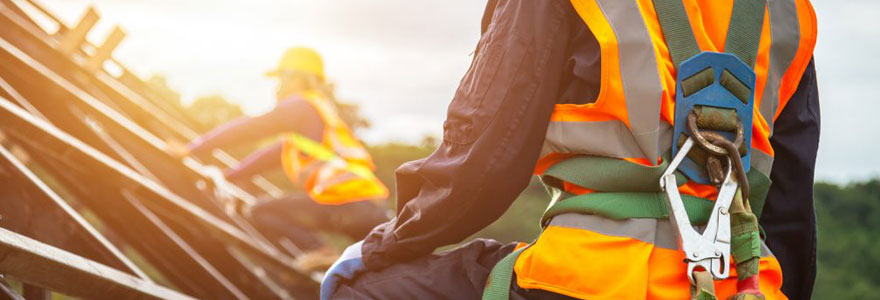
(620, 206)
(610, 174)
(626, 205)
(676, 30)
(744, 31)
(704, 288)
(498, 286)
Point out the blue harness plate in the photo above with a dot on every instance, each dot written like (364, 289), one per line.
(714, 95)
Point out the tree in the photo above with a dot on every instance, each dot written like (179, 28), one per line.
(213, 110)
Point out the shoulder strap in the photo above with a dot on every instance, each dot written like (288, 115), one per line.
(677, 30)
(744, 31)
(743, 34)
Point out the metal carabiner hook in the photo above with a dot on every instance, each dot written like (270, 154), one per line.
(710, 249)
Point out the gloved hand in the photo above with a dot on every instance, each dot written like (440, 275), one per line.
(176, 149)
(349, 266)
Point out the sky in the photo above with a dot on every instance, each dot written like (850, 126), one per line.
(401, 60)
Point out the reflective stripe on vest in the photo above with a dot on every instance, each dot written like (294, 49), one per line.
(336, 170)
(632, 114)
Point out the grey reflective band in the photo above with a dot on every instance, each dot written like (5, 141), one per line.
(638, 71)
(761, 161)
(785, 37)
(658, 232)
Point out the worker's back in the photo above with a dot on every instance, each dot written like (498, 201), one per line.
(677, 138)
(615, 246)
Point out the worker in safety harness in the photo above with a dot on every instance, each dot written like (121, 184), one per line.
(656, 125)
(317, 151)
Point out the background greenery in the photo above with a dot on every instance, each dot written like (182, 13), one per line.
(848, 215)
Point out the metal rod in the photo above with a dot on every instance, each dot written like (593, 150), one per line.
(45, 266)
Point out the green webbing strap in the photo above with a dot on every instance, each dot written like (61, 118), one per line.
(676, 30)
(498, 286)
(611, 174)
(704, 288)
(621, 206)
(641, 196)
(759, 185)
(745, 243)
(744, 32)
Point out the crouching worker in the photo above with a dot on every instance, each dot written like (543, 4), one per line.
(647, 121)
(318, 152)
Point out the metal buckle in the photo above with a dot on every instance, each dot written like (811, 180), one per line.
(711, 249)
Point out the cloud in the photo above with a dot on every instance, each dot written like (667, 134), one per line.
(847, 69)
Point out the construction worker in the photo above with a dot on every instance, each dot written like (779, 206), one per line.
(318, 152)
(603, 99)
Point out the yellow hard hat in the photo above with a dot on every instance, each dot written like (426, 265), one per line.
(299, 59)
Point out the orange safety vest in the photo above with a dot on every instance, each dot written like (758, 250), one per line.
(337, 169)
(593, 257)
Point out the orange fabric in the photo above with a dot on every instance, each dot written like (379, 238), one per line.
(333, 183)
(611, 102)
(353, 189)
(710, 20)
(549, 160)
(792, 77)
(619, 268)
(665, 67)
(589, 265)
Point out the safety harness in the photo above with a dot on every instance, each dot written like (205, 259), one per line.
(713, 110)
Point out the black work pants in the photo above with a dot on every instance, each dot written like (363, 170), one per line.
(457, 274)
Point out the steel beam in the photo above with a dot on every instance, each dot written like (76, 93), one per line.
(45, 266)
(55, 212)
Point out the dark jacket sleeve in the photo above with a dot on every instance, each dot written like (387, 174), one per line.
(292, 115)
(492, 136)
(788, 217)
(260, 161)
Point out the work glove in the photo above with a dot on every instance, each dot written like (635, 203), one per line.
(347, 267)
(176, 149)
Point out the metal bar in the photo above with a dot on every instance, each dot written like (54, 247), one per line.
(74, 38)
(97, 61)
(7, 293)
(49, 267)
(46, 12)
(94, 187)
(169, 232)
(138, 97)
(6, 87)
(267, 251)
(107, 178)
(225, 230)
(16, 166)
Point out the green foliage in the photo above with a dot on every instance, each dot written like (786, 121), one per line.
(522, 221)
(849, 245)
(212, 111)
